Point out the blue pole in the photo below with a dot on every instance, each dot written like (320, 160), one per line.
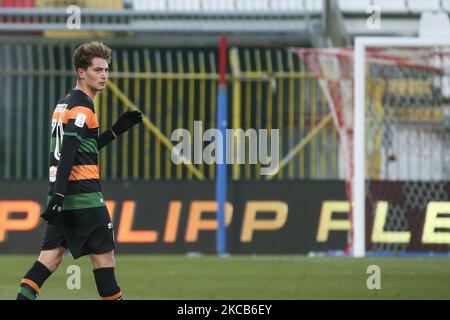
(221, 166)
(221, 173)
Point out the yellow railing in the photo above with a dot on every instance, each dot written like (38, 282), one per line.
(267, 89)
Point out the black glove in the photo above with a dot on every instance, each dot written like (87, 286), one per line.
(54, 209)
(126, 121)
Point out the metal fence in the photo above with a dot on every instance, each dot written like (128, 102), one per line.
(267, 88)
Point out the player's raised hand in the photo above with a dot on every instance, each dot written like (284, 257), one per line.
(54, 209)
(126, 121)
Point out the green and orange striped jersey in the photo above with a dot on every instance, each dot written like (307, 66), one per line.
(75, 116)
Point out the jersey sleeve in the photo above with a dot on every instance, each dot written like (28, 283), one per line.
(79, 120)
(105, 138)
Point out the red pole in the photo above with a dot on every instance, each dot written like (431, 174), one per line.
(222, 59)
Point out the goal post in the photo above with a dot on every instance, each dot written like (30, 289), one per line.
(361, 44)
(389, 98)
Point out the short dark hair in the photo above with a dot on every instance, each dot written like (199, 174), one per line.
(83, 55)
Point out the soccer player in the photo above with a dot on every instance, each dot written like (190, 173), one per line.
(76, 215)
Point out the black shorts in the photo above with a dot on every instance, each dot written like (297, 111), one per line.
(82, 231)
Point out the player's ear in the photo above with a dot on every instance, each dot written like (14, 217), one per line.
(81, 73)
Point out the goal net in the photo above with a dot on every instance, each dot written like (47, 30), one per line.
(396, 147)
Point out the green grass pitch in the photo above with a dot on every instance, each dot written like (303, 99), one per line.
(244, 277)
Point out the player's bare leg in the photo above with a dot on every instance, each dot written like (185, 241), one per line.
(52, 258)
(104, 260)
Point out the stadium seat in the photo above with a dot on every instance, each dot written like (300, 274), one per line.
(420, 5)
(392, 6)
(225, 5)
(109, 4)
(349, 6)
(17, 3)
